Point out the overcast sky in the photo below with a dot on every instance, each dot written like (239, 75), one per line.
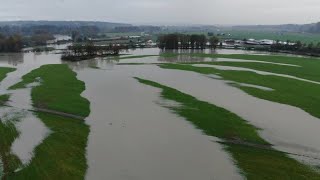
(165, 11)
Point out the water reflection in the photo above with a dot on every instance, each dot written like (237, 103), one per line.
(11, 59)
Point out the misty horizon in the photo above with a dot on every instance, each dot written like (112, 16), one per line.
(177, 12)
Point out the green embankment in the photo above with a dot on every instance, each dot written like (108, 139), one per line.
(60, 90)
(255, 162)
(62, 154)
(293, 92)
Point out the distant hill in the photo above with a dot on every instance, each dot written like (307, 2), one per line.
(56, 27)
(98, 24)
(310, 28)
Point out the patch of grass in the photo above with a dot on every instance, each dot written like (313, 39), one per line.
(169, 55)
(62, 154)
(8, 133)
(59, 90)
(4, 71)
(255, 162)
(296, 93)
(4, 98)
(259, 163)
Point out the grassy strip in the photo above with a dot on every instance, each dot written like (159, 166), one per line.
(256, 163)
(286, 91)
(60, 90)
(309, 66)
(62, 154)
(259, 163)
(4, 98)
(4, 71)
(8, 133)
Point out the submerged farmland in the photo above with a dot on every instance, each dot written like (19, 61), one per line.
(159, 115)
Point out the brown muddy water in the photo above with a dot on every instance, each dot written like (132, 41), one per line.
(288, 128)
(133, 136)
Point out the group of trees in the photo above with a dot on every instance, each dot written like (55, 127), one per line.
(88, 50)
(11, 43)
(183, 41)
(40, 38)
(297, 47)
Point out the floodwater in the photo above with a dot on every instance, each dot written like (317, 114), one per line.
(32, 130)
(231, 68)
(133, 135)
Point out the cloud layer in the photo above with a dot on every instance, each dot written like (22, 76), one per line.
(165, 11)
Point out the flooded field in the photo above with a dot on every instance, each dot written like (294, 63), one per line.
(133, 133)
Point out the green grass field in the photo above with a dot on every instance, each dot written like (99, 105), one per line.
(255, 162)
(59, 90)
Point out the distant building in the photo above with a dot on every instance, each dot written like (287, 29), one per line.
(267, 42)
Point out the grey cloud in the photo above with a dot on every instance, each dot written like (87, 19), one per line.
(165, 11)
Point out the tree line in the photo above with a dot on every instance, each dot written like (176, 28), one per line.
(184, 41)
(297, 47)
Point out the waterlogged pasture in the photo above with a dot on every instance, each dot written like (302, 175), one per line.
(155, 114)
